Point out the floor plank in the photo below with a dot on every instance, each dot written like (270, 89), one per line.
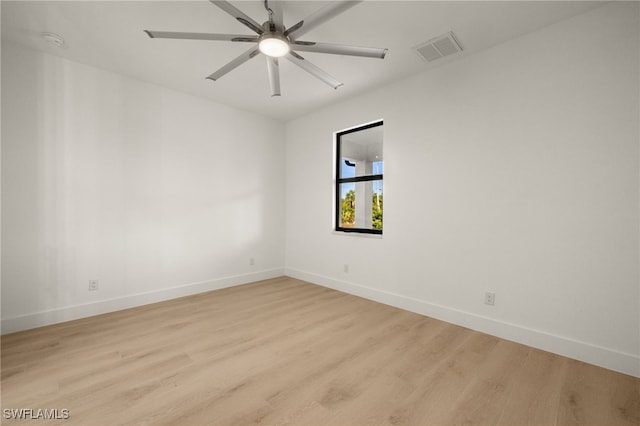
(286, 352)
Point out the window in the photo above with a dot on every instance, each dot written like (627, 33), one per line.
(359, 170)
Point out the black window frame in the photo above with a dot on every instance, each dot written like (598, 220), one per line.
(340, 180)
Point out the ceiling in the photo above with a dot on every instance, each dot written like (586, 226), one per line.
(109, 35)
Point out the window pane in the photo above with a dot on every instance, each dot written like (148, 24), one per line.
(361, 153)
(347, 205)
(361, 205)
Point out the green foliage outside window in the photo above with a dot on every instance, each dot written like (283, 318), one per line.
(348, 206)
(376, 211)
(348, 209)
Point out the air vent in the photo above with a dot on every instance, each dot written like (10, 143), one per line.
(439, 47)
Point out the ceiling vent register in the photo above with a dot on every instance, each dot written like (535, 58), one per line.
(439, 47)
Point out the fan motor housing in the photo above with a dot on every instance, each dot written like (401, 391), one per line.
(272, 42)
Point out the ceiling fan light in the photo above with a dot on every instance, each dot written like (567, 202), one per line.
(273, 45)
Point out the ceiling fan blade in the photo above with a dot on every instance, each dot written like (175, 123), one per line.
(239, 15)
(274, 75)
(235, 63)
(313, 70)
(201, 36)
(319, 17)
(339, 49)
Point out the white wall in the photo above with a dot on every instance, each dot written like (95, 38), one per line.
(154, 193)
(515, 170)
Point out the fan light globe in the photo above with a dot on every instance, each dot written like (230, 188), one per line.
(274, 46)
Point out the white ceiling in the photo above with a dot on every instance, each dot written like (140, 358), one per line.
(108, 35)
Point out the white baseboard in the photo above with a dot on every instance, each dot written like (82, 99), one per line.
(593, 354)
(68, 313)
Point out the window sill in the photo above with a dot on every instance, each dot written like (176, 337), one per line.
(357, 234)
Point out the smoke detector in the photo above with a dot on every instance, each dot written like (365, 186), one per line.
(439, 47)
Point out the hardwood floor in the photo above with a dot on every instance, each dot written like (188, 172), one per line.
(283, 351)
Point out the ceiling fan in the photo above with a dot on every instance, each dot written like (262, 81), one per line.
(274, 41)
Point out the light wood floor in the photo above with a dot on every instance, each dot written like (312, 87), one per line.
(286, 352)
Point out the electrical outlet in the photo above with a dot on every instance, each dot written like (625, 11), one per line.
(345, 268)
(489, 298)
(93, 285)
(252, 261)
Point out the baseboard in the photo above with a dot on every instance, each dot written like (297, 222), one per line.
(603, 357)
(68, 313)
